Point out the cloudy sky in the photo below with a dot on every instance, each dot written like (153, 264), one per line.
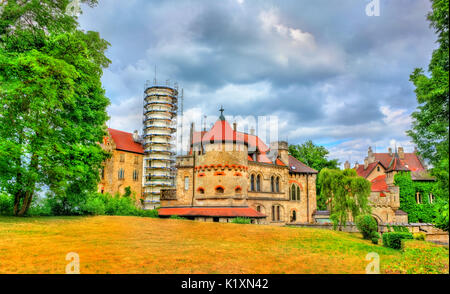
(325, 69)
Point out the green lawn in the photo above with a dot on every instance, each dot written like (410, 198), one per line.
(143, 245)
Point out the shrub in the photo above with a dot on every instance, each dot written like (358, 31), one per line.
(420, 236)
(241, 220)
(176, 217)
(374, 237)
(148, 213)
(367, 225)
(394, 239)
(375, 240)
(94, 206)
(6, 204)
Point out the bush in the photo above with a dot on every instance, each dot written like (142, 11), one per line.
(176, 217)
(241, 220)
(374, 237)
(420, 236)
(367, 225)
(394, 239)
(6, 204)
(375, 240)
(94, 206)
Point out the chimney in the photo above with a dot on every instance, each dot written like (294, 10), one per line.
(347, 165)
(370, 155)
(390, 151)
(136, 136)
(366, 163)
(356, 165)
(401, 153)
(235, 126)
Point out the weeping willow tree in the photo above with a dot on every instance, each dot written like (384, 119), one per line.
(347, 194)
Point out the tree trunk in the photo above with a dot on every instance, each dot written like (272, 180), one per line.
(26, 204)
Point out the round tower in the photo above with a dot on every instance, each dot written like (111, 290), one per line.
(160, 111)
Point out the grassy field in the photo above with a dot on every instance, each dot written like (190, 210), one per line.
(155, 246)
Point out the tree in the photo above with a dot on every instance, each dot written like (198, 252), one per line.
(315, 157)
(430, 130)
(347, 194)
(54, 106)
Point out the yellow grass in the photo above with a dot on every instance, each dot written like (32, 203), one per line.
(135, 245)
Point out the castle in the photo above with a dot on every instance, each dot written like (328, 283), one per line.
(380, 169)
(230, 174)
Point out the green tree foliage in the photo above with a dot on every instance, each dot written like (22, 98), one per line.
(315, 157)
(54, 106)
(348, 194)
(431, 120)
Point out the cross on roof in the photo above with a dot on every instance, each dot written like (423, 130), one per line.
(221, 113)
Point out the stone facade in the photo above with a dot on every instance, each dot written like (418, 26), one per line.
(380, 169)
(123, 169)
(231, 174)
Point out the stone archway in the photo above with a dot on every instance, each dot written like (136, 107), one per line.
(378, 220)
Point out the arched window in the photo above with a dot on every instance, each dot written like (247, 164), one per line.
(272, 185)
(135, 175)
(252, 183)
(258, 183)
(220, 190)
(298, 193)
(186, 183)
(277, 185)
(293, 192)
(276, 213)
(258, 208)
(294, 216)
(238, 190)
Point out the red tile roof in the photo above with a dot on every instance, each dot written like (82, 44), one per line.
(279, 162)
(365, 172)
(124, 141)
(297, 166)
(222, 131)
(411, 160)
(211, 212)
(379, 184)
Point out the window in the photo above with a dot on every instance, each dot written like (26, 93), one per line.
(378, 168)
(186, 183)
(272, 185)
(135, 175)
(294, 216)
(431, 198)
(277, 185)
(238, 190)
(258, 183)
(252, 183)
(295, 192)
(103, 173)
(122, 157)
(121, 174)
(201, 190)
(276, 213)
(220, 190)
(418, 198)
(258, 208)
